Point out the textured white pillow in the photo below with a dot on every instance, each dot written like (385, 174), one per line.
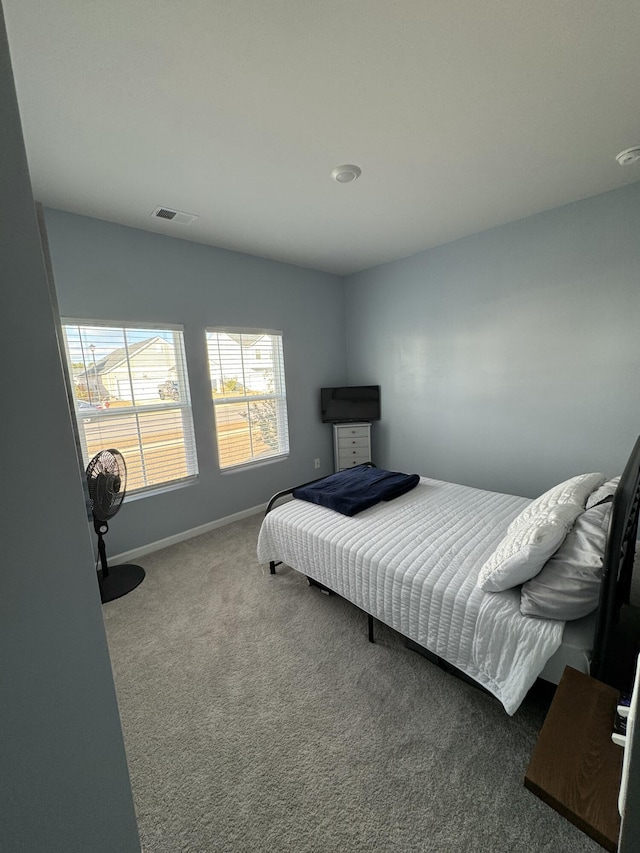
(603, 492)
(568, 587)
(575, 490)
(525, 550)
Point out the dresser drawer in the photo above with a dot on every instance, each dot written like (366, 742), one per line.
(352, 432)
(353, 457)
(351, 461)
(350, 443)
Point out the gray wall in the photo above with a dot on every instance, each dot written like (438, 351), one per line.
(64, 783)
(508, 360)
(110, 272)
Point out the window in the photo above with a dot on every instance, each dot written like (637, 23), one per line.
(131, 393)
(248, 389)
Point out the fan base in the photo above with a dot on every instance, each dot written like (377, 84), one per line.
(120, 580)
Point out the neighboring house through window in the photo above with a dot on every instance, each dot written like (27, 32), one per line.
(249, 396)
(131, 393)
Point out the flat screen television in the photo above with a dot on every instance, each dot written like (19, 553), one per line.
(350, 403)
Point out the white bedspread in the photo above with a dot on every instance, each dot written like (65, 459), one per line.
(413, 564)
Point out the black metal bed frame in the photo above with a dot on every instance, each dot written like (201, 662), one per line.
(618, 560)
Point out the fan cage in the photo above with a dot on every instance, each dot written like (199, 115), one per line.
(106, 481)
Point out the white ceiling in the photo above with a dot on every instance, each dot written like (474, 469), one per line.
(462, 114)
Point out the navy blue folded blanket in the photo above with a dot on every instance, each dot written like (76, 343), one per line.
(357, 488)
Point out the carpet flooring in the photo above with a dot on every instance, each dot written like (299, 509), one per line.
(257, 717)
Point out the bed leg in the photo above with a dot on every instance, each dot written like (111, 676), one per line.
(272, 567)
(370, 620)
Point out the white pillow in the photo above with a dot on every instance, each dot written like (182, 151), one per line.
(525, 550)
(568, 587)
(603, 492)
(575, 490)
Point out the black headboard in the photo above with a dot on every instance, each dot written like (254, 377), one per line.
(618, 561)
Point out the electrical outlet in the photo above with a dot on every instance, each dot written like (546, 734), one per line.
(316, 463)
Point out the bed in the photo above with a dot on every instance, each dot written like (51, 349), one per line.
(425, 564)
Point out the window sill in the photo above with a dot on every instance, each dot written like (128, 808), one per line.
(153, 491)
(258, 463)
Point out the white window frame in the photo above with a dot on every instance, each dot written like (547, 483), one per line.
(279, 396)
(106, 414)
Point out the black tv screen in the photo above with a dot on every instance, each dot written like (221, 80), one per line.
(350, 403)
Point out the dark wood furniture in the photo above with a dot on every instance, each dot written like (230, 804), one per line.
(575, 767)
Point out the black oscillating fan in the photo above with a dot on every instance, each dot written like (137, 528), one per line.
(106, 479)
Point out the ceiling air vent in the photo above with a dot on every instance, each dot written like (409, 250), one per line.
(177, 216)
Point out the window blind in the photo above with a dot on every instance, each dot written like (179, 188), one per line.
(249, 396)
(131, 392)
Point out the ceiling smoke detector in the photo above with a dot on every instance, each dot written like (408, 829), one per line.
(346, 174)
(629, 156)
(177, 216)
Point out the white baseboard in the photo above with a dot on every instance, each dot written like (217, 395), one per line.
(134, 553)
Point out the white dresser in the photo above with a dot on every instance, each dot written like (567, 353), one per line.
(351, 445)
